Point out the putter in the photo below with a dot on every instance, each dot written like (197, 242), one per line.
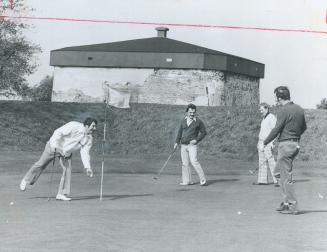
(165, 164)
(257, 168)
(252, 172)
(51, 171)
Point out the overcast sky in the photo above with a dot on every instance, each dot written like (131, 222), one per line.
(295, 59)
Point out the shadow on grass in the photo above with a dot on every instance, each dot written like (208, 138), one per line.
(312, 211)
(209, 182)
(301, 180)
(213, 181)
(183, 190)
(112, 197)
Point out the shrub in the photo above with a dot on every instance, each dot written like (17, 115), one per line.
(323, 104)
(43, 91)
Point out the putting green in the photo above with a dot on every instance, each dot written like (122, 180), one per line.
(138, 213)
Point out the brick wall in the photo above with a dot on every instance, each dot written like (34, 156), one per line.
(182, 87)
(176, 87)
(240, 90)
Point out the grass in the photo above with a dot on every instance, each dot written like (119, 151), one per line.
(150, 128)
(141, 214)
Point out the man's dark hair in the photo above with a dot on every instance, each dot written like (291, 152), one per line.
(88, 121)
(191, 106)
(282, 92)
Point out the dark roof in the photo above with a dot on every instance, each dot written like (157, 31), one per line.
(156, 44)
(152, 53)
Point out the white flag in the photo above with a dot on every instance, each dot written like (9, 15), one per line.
(119, 98)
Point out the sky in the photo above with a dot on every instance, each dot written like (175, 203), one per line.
(295, 59)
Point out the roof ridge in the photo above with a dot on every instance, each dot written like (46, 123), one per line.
(144, 45)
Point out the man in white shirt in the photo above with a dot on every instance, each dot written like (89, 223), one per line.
(65, 140)
(266, 157)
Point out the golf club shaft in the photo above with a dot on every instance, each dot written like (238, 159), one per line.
(257, 168)
(51, 171)
(165, 164)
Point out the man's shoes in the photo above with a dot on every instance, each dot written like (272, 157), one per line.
(203, 182)
(62, 197)
(276, 185)
(291, 209)
(282, 207)
(186, 184)
(23, 185)
(256, 183)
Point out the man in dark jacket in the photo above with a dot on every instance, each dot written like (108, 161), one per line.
(290, 126)
(190, 133)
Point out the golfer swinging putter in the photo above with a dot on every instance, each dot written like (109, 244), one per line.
(190, 133)
(65, 140)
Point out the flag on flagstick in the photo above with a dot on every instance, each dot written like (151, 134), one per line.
(118, 98)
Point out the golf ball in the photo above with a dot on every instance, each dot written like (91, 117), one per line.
(11, 203)
(239, 212)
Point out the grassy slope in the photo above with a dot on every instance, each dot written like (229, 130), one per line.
(149, 128)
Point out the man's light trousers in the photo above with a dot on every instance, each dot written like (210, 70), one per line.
(189, 155)
(287, 151)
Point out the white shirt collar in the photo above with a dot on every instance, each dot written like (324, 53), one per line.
(188, 118)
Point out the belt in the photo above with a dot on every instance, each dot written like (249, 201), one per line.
(291, 140)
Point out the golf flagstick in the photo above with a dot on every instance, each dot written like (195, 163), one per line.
(104, 142)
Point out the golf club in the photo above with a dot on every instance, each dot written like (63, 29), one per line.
(165, 164)
(252, 172)
(51, 175)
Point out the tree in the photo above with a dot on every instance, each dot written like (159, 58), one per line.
(323, 104)
(17, 54)
(43, 91)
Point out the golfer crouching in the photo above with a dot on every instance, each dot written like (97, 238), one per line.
(65, 140)
(190, 133)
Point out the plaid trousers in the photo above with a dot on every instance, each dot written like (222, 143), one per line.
(266, 159)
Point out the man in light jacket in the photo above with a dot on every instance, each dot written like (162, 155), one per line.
(266, 158)
(69, 138)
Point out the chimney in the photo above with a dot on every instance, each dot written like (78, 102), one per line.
(162, 32)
